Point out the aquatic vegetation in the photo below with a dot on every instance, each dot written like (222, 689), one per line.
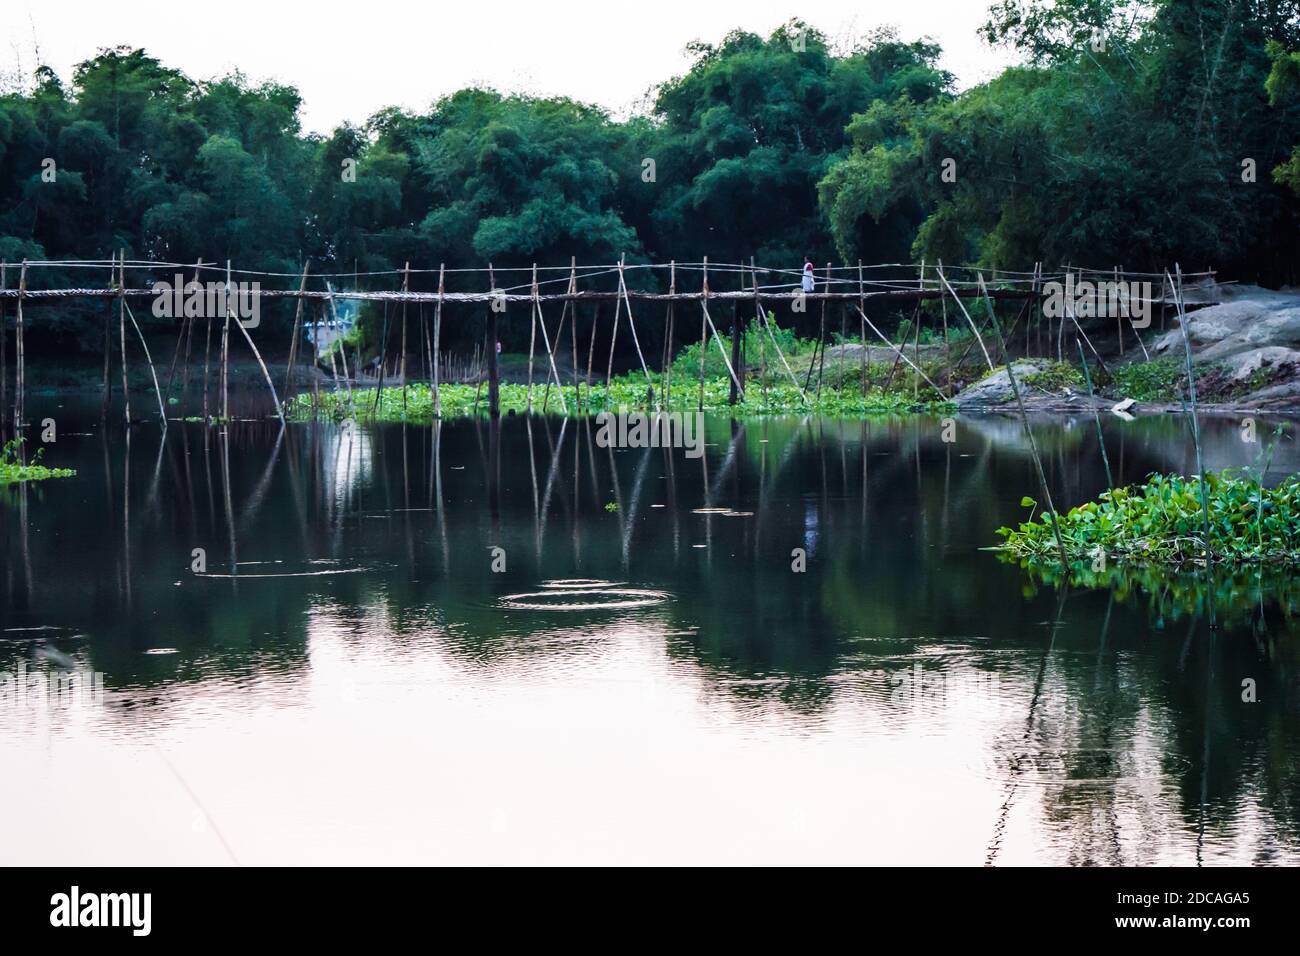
(1054, 377)
(13, 469)
(1158, 380)
(1161, 522)
(629, 391)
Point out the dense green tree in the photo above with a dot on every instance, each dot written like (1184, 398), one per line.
(752, 127)
(1124, 139)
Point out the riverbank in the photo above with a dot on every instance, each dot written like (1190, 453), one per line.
(414, 403)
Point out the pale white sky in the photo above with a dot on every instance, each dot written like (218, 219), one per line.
(351, 58)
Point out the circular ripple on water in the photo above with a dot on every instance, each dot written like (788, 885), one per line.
(581, 583)
(583, 594)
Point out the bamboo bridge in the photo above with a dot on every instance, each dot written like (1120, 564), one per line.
(622, 283)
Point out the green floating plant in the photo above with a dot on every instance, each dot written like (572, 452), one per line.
(1161, 522)
(13, 469)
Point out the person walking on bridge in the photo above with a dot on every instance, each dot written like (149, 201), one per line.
(807, 274)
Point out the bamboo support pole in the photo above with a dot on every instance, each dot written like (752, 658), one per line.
(613, 337)
(20, 363)
(550, 353)
(532, 338)
(957, 298)
(334, 367)
(279, 409)
(225, 355)
(559, 340)
(1029, 434)
(722, 350)
(631, 324)
(1119, 320)
(821, 339)
(494, 369)
(162, 408)
(573, 334)
(947, 343)
(1096, 417)
(898, 351)
(4, 348)
(591, 350)
(844, 339)
(187, 321)
(343, 351)
(437, 331)
(916, 330)
(406, 287)
(767, 324)
(735, 351)
(704, 328)
(762, 342)
(106, 392)
(668, 339)
(383, 354)
(862, 330)
(1196, 426)
(426, 357)
(121, 324)
(1060, 325)
(293, 342)
(569, 306)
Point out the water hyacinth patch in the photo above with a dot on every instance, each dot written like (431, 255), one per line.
(1162, 521)
(13, 470)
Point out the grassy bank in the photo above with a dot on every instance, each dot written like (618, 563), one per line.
(415, 403)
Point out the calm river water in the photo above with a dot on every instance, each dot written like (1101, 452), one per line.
(648, 680)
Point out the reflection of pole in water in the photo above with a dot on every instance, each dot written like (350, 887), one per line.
(254, 504)
(1105, 628)
(437, 484)
(532, 471)
(618, 496)
(629, 523)
(189, 478)
(126, 520)
(865, 477)
(157, 472)
(230, 510)
(294, 487)
(406, 495)
(947, 485)
(551, 474)
(494, 472)
(728, 463)
(207, 474)
(670, 468)
(577, 454)
(1000, 827)
(27, 558)
(1205, 748)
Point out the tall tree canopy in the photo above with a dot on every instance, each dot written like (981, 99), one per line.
(1133, 132)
